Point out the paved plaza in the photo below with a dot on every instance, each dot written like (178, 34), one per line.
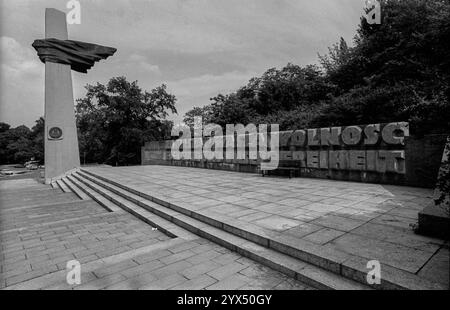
(42, 228)
(367, 221)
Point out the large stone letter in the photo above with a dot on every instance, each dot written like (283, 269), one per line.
(372, 133)
(313, 137)
(298, 138)
(330, 136)
(312, 159)
(351, 135)
(357, 160)
(285, 138)
(391, 161)
(338, 160)
(395, 133)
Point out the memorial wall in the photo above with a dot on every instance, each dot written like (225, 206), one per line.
(375, 153)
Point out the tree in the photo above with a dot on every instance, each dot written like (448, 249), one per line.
(4, 127)
(230, 109)
(443, 182)
(397, 70)
(273, 96)
(286, 89)
(114, 120)
(204, 112)
(21, 150)
(20, 144)
(37, 139)
(16, 145)
(299, 118)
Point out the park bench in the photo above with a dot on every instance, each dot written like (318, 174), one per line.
(284, 165)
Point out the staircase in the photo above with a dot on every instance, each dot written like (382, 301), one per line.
(291, 257)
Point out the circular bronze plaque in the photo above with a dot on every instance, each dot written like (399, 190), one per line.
(55, 133)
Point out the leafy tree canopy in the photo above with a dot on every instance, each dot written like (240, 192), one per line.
(21, 144)
(398, 70)
(114, 120)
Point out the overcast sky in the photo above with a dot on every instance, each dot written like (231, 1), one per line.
(199, 48)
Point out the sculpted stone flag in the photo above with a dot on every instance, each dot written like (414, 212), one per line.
(80, 56)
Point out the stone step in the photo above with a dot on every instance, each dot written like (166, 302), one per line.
(82, 195)
(105, 203)
(150, 218)
(63, 186)
(341, 263)
(143, 208)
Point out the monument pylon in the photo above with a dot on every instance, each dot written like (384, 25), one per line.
(60, 56)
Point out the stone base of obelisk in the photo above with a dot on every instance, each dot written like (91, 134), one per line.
(61, 140)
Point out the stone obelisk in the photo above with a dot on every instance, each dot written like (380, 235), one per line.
(61, 140)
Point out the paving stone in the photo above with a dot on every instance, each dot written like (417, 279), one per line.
(289, 284)
(196, 284)
(165, 283)
(323, 236)
(141, 269)
(302, 230)
(321, 207)
(15, 271)
(256, 271)
(254, 216)
(101, 283)
(278, 223)
(244, 212)
(399, 235)
(87, 259)
(226, 271)
(113, 251)
(133, 283)
(30, 275)
(201, 248)
(202, 257)
(63, 285)
(243, 200)
(177, 257)
(233, 282)
(394, 220)
(391, 278)
(398, 256)
(307, 215)
(294, 202)
(202, 268)
(170, 269)
(115, 268)
(338, 222)
(183, 246)
(226, 258)
(433, 270)
(264, 283)
(227, 208)
(18, 265)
